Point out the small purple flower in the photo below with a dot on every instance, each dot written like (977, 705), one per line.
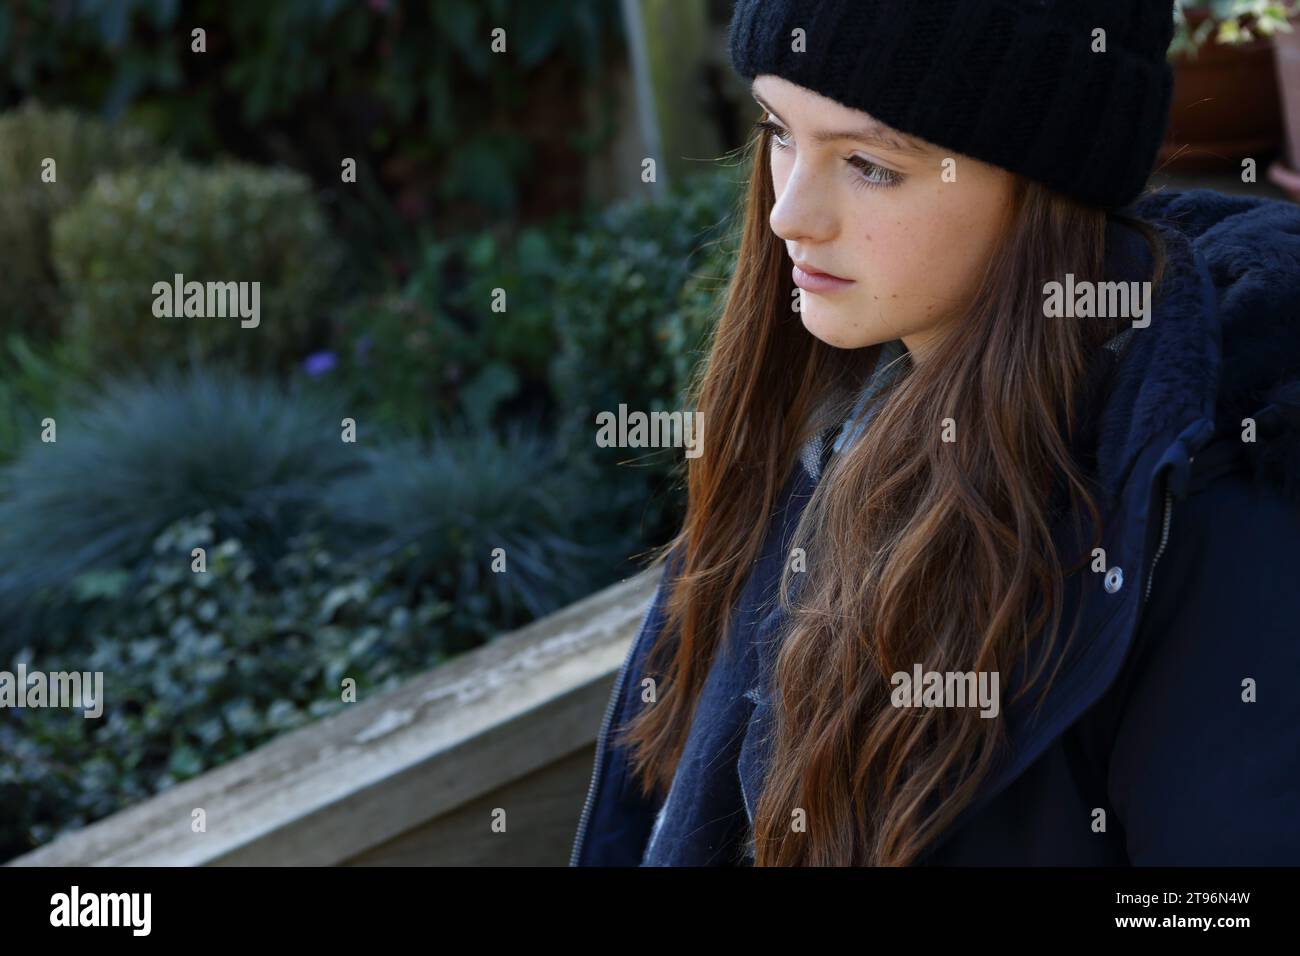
(318, 363)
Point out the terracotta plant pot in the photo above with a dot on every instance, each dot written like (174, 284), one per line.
(1287, 49)
(1225, 106)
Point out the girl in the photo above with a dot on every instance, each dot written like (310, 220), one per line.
(992, 556)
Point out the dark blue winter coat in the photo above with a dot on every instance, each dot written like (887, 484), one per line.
(1148, 717)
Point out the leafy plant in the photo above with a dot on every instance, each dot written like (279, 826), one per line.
(33, 380)
(48, 158)
(438, 120)
(468, 336)
(623, 334)
(1230, 22)
(635, 302)
(233, 223)
(396, 574)
(447, 505)
(610, 307)
(135, 455)
(201, 668)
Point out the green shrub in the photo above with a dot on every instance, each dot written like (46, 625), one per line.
(137, 455)
(81, 148)
(633, 306)
(231, 223)
(394, 577)
(201, 668)
(634, 302)
(1230, 22)
(411, 90)
(448, 504)
(395, 357)
(435, 350)
(613, 307)
(33, 380)
(610, 307)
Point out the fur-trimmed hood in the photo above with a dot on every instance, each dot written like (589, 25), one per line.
(1237, 355)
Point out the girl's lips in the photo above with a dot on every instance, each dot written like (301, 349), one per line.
(819, 282)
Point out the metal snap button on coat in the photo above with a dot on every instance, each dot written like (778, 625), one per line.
(1114, 579)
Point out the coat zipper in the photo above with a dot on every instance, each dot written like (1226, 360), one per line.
(614, 698)
(1164, 540)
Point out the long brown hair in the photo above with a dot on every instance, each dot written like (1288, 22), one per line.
(918, 550)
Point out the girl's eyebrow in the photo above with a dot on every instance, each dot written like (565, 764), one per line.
(876, 134)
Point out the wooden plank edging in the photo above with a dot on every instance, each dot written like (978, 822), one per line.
(329, 791)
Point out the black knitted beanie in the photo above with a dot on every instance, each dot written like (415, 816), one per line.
(1015, 83)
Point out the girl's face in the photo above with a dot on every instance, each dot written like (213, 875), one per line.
(907, 226)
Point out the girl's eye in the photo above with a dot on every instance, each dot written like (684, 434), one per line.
(775, 131)
(869, 174)
(874, 174)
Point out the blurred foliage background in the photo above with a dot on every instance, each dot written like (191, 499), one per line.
(381, 305)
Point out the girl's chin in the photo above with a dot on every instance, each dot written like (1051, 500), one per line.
(835, 332)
